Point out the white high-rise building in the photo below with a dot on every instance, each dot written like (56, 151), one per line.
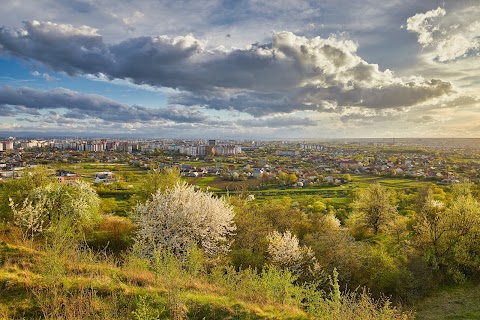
(8, 144)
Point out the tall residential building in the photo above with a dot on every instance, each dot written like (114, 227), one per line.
(8, 145)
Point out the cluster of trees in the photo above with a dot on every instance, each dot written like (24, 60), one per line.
(389, 252)
(377, 246)
(395, 243)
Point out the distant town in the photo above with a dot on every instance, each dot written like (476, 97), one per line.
(306, 163)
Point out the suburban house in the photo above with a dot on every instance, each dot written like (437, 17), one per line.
(104, 177)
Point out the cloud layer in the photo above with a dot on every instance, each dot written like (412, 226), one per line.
(72, 109)
(23, 100)
(291, 73)
(319, 80)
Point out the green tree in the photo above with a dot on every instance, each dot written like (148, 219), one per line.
(449, 235)
(292, 178)
(157, 179)
(283, 178)
(250, 246)
(373, 209)
(283, 216)
(108, 205)
(128, 176)
(318, 206)
(430, 226)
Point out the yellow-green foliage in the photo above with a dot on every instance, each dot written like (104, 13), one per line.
(155, 180)
(112, 233)
(69, 281)
(19, 189)
(99, 273)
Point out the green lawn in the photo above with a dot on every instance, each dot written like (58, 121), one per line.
(400, 183)
(203, 182)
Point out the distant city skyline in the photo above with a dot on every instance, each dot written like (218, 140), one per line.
(293, 69)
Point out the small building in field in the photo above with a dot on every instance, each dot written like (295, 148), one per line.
(104, 177)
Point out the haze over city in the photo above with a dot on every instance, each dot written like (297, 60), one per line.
(240, 69)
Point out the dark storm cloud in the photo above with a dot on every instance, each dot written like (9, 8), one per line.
(62, 47)
(24, 100)
(291, 73)
(313, 98)
(24, 110)
(391, 96)
(6, 111)
(256, 104)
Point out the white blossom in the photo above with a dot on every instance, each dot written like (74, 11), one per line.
(77, 201)
(182, 217)
(286, 252)
(29, 217)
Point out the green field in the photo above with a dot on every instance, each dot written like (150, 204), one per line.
(338, 196)
(361, 181)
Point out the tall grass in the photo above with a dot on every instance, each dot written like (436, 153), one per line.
(75, 282)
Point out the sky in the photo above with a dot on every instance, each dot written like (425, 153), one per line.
(240, 69)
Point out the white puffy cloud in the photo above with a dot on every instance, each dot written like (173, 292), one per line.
(422, 23)
(44, 75)
(448, 36)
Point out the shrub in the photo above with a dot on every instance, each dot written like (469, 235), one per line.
(285, 252)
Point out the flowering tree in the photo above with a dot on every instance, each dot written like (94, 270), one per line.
(182, 217)
(18, 189)
(285, 252)
(29, 217)
(48, 204)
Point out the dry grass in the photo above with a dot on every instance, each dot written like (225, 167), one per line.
(11, 234)
(77, 283)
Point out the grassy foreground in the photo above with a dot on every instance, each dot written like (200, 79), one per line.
(59, 280)
(35, 284)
